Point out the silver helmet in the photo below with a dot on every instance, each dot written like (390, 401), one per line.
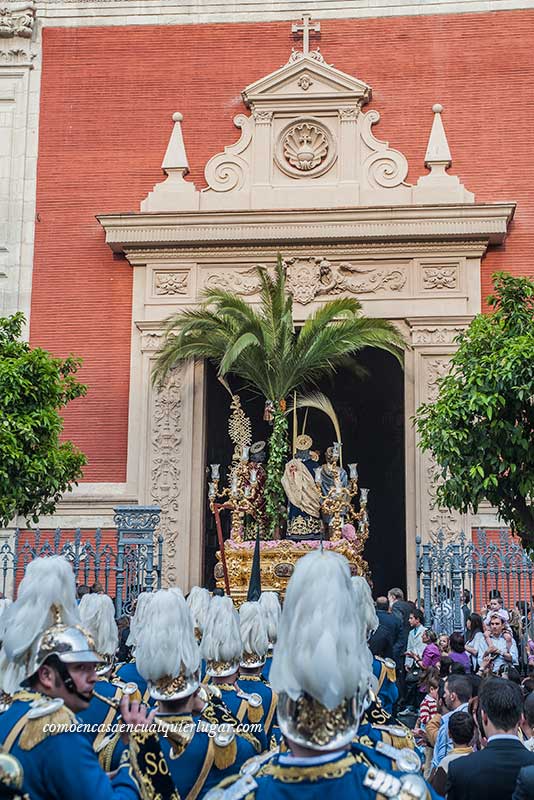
(70, 643)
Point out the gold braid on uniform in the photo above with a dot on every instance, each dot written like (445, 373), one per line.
(34, 732)
(218, 714)
(150, 767)
(330, 770)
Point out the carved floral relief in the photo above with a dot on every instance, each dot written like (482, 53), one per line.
(171, 283)
(165, 460)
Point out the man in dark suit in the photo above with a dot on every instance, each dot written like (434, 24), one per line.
(389, 632)
(492, 773)
(524, 788)
(400, 609)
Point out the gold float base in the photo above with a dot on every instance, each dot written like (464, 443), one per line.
(277, 562)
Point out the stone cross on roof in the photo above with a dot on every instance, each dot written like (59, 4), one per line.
(306, 28)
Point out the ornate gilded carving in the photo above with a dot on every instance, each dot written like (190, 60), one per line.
(17, 19)
(278, 559)
(239, 428)
(440, 277)
(170, 283)
(165, 465)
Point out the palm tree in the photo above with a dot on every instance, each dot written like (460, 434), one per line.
(263, 348)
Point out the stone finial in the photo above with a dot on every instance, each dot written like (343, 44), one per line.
(437, 151)
(175, 158)
(174, 193)
(438, 186)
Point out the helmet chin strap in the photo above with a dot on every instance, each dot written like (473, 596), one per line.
(68, 681)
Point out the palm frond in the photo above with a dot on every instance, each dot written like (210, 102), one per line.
(321, 402)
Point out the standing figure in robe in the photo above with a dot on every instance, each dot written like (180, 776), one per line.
(328, 478)
(256, 468)
(304, 502)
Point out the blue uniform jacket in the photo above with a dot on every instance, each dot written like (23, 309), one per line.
(192, 767)
(387, 688)
(254, 683)
(326, 777)
(60, 766)
(267, 666)
(239, 708)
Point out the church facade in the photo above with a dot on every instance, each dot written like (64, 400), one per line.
(153, 150)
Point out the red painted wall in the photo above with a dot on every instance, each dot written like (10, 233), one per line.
(107, 98)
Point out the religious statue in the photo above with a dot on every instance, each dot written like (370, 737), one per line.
(304, 502)
(330, 472)
(256, 481)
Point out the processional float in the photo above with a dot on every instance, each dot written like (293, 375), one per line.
(336, 516)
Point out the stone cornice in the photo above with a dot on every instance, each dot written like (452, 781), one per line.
(486, 223)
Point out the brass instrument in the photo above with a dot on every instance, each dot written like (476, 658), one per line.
(128, 689)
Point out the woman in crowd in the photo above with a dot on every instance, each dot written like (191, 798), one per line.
(443, 644)
(475, 640)
(458, 654)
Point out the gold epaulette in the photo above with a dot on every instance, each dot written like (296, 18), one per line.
(390, 668)
(224, 748)
(399, 736)
(45, 717)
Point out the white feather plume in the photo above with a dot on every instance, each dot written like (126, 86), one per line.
(47, 582)
(221, 640)
(321, 648)
(97, 613)
(166, 642)
(137, 621)
(365, 604)
(253, 629)
(199, 602)
(272, 610)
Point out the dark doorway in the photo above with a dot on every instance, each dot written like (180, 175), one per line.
(371, 416)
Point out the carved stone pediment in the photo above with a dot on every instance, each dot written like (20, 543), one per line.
(306, 80)
(307, 143)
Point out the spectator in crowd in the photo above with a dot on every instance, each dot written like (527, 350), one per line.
(393, 624)
(458, 654)
(97, 588)
(402, 610)
(431, 654)
(466, 610)
(428, 710)
(461, 731)
(524, 788)
(456, 696)
(443, 643)
(500, 646)
(527, 723)
(510, 673)
(412, 662)
(476, 643)
(81, 590)
(491, 773)
(445, 665)
(381, 642)
(495, 606)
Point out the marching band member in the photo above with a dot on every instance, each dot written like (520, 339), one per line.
(255, 647)
(48, 663)
(168, 658)
(222, 649)
(321, 675)
(272, 610)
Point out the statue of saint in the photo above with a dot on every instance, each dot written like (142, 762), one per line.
(256, 481)
(304, 502)
(328, 477)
